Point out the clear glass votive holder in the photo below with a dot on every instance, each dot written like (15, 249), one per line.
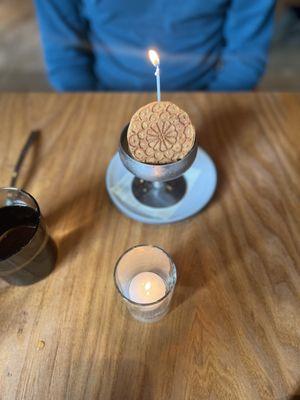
(27, 251)
(145, 276)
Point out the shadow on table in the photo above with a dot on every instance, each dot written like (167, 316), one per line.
(121, 379)
(69, 242)
(191, 276)
(82, 211)
(296, 395)
(85, 200)
(219, 129)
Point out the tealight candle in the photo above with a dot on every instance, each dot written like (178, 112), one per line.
(146, 287)
(145, 276)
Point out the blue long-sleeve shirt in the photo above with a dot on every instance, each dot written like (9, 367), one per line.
(203, 44)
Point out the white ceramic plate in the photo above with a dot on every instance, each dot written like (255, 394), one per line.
(201, 179)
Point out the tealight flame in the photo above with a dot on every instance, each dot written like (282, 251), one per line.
(154, 58)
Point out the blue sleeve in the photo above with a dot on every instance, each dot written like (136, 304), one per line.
(247, 33)
(68, 56)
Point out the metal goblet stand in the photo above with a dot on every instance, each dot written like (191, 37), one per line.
(156, 185)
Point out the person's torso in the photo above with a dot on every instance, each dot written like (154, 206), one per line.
(187, 34)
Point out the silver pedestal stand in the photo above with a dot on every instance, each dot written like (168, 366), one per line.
(159, 185)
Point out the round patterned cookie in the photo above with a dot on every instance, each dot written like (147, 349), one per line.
(160, 133)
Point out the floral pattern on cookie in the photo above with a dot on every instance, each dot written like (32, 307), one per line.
(160, 133)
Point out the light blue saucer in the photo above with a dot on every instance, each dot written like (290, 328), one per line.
(201, 179)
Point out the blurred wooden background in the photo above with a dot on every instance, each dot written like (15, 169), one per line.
(21, 61)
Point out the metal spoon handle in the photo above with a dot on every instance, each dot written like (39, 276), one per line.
(31, 139)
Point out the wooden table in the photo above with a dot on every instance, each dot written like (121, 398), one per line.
(234, 329)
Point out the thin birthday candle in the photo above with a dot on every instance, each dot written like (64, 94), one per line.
(154, 58)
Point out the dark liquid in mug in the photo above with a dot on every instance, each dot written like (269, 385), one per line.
(22, 246)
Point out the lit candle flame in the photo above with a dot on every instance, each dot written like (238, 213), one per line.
(154, 58)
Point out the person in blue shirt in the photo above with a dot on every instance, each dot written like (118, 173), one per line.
(214, 45)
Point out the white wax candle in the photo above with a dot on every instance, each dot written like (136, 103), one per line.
(154, 58)
(157, 74)
(146, 287)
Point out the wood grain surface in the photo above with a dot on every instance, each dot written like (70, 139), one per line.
(234, 328)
